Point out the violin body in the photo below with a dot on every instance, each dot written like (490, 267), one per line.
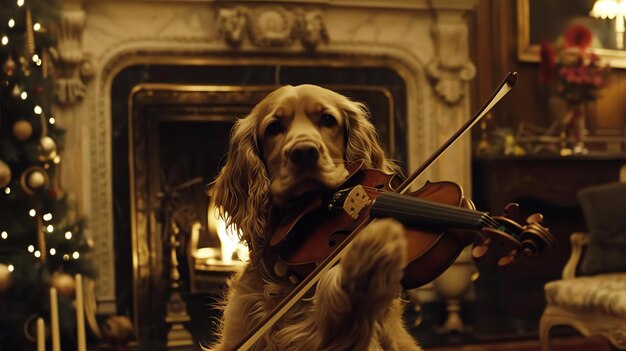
(434, 240)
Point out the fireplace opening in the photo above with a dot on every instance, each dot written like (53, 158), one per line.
(171, 126)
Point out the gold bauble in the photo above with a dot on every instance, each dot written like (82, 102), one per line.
(47, 148)
(9, 66)
(64, 283)
(5, 277)
(22, 130)
(5, 174)
(36, 179)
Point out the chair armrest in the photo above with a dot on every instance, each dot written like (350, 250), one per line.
(579, 240)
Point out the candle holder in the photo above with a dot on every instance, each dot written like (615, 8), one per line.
(174, 215)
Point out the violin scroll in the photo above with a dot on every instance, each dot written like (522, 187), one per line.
(511, 239)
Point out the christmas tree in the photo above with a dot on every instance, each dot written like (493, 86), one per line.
(41, 237)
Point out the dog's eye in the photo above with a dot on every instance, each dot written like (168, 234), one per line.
(274, 128)
(328, 120)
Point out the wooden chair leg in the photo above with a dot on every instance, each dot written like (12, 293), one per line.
(544, 332)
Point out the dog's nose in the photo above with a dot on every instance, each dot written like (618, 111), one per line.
(304, 154)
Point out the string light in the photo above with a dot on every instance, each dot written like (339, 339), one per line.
(24, 95)
(7, 190)
(68, 235)
(38, 63)
(4, 234)
(75, 255)
(53, 251)
(38, 109)
(35, 58)
(57, 159)
(31, 248)
(36, 26)
(5, 40)
(52, 120)
(11, 268)
(32, 212)
(20, 3)
(66, 257)
(47, 217)
(11, 23)
(50, 228)
(37, 254)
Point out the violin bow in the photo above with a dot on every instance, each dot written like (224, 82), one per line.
(309, 282)
(507, 84)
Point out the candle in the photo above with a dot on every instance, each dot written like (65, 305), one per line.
(41, 335)
(54, 320)
(80, 314)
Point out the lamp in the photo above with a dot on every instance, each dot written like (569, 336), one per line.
(612, 9)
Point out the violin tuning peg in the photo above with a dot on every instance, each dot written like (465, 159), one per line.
(507, 260)
(535, 218)
(480, 249)
(511, 210)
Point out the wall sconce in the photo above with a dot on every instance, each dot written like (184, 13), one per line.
(612, 9)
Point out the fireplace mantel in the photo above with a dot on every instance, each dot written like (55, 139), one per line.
(424, 41)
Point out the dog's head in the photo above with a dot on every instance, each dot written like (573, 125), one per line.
(295, 141)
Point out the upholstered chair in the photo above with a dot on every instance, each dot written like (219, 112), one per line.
(591, 296)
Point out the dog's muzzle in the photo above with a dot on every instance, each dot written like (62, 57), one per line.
(304, 154)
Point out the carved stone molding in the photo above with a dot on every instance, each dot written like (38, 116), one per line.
(451, 67)
(271, 26)
(73, 68)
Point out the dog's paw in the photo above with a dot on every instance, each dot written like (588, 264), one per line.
(373, 264)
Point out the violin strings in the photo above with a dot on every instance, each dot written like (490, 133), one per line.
(424, 210)
(441, 211)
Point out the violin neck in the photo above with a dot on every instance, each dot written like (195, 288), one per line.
(414, 211)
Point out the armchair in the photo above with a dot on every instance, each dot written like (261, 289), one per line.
(591, 296)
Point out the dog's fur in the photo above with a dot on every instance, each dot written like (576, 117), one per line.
(294, 142)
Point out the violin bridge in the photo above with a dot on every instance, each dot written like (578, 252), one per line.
(355, 201)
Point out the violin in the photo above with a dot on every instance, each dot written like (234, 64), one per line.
(439, 223)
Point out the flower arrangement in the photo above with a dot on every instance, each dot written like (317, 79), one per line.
(575, 72)
(576, 75)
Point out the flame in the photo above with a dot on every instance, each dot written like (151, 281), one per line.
(230, 245)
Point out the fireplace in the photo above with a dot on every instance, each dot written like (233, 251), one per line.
(153, 87)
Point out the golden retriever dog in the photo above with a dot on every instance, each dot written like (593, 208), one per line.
(297, 141)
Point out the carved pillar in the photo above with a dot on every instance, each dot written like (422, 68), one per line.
(449, 71)
(73, 67)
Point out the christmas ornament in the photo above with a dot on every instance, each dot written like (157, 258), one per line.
(47, 148)
(34, 179)
(25, 66)
(9, 66)
(22, 130)
(5, 174)
(64, 283)
(5, 277)
(17, 91)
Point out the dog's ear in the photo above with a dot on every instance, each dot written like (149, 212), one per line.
(241, 189)
(363, 142)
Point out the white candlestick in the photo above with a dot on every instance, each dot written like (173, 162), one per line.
(80, 314)
(54, 320)
(41, 335)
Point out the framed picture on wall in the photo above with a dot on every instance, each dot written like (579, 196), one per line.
(540, 20)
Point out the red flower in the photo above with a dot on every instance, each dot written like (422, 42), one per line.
(577, 35)
(547, 68)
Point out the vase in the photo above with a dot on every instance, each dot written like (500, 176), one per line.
(574, 129)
